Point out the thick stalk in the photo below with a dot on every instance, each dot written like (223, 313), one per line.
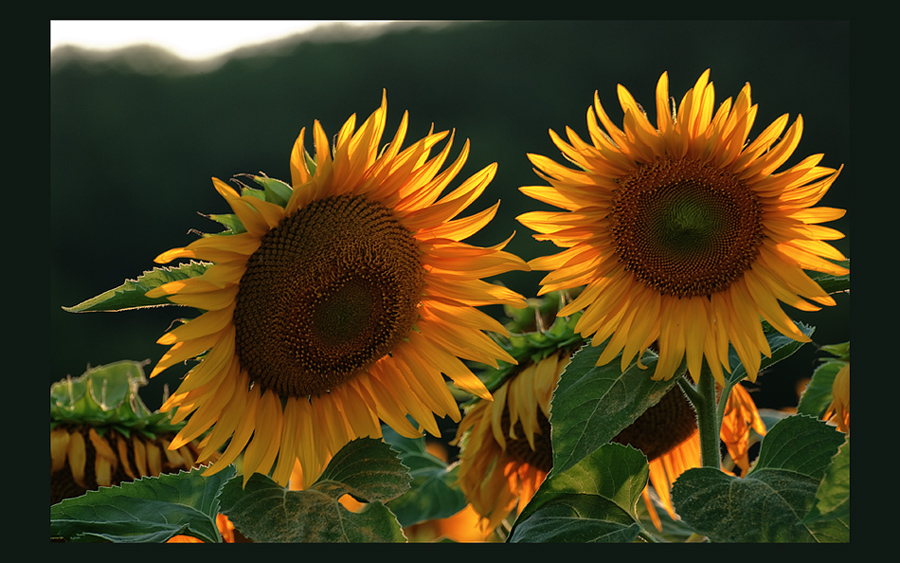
(703, 397)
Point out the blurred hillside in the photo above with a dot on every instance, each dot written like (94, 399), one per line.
(137, 135)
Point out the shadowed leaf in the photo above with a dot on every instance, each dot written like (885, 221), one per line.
(367, 469)
(593, 501)
(771, 502)
(150, 509)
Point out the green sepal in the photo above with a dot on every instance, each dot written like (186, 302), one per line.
(274, 191)
(230, 221)
(149, 509)
(367, 469)
(594, 500)
(532, 347)
(107, 397)
(779, 500)
(132, 293)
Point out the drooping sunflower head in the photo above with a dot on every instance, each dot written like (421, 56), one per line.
(102, 433)
(505, 449)
(338, 302)
(683, 234)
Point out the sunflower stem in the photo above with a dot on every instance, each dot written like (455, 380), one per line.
(703, 397)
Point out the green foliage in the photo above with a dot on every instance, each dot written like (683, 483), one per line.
(150, 509)
(131, 294)
(367, 469)
(592, 404)
(833, 497)
(154, 509)
(107, 396)
(795, 478)
(532, 346)
(594, 500)
(818, 395)
(434, 491)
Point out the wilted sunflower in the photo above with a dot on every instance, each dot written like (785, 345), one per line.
(337, 304)
(683, 233)
(505, 443)
(506, 450)
(102, 433)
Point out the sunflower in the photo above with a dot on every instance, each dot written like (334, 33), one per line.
(506, 450)
(102, 433)
(504, 444)
(683, 234)
(337, 306)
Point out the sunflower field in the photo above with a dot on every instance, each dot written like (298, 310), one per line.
(458, 282)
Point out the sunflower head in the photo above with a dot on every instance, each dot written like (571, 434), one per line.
(336, 302)
(505, 451)
(682, 233)
(102, 433)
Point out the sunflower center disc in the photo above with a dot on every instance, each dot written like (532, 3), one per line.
(541, 457)
(685, 227)
(332, 289)
(662, 427)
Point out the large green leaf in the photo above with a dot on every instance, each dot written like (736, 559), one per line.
(592, 404)
(367, 469)
(833, 497)
(593, 501)
(818, 395)
(434, 493)
(771, 503)
(150, 509)
(132, 293)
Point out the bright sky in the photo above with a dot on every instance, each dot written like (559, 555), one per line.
(194, 40)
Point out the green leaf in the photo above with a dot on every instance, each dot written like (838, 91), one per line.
(817, 396)
(593, 501)
(368, 469)
(592, 404)
(800, 444)
(780, 345)
(771, 502)
(434, 493)
(150, 509)
(833, 497)
(131, 294)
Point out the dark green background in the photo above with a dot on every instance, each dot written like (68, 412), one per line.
(136, 137)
